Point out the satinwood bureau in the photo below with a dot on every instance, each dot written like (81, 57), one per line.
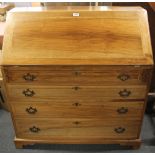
(77, 75)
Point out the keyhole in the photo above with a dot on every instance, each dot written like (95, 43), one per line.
(76, 104)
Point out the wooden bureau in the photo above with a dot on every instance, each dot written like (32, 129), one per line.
(77, 75)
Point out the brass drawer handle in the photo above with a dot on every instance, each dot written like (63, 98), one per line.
(119, 130)
(123, 77)
(29, 77)
(122, 110)
(34, 129)
(76, 104)
(124, 93)
(76, 88)
(31, 110)
(76, 122)
(28, 93)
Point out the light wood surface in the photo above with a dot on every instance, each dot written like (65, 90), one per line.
(78, 109)
(67, 128)
(2, 29)
(77, 79)
(67, 39)
(16, 92)
(78, 75)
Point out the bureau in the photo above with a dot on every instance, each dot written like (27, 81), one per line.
(77, 75)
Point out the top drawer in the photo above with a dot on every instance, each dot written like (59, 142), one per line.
(80, 75)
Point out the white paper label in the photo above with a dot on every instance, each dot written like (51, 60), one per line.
(76, 14)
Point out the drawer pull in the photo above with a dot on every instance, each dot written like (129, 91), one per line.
(31, 110)
(34, 129)
(122, 110)
(76, 104)
(76, 123)
(119, 130)
(29, 77)
(76, 88)
(28, 93)
(124, 93)
(123, 77)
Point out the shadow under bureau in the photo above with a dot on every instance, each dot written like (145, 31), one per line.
(77, 75)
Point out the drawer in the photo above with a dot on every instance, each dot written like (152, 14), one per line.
(62, 75)
(78, 109)
(32, 93)
(76, 128)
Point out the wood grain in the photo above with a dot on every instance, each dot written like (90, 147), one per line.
(80, 75)
(15, 92)
(107, 45)
(78, 109)
(72, 67)
(67, 128)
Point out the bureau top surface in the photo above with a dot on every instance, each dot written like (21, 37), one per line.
(77, 36)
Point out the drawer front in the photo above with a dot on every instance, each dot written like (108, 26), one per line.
(75, 75)
(32, 93)
(76, 128)
(78, 109)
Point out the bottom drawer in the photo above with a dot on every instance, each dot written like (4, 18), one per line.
(76, 128)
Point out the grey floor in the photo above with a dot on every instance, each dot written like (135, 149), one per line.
(7, 136)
